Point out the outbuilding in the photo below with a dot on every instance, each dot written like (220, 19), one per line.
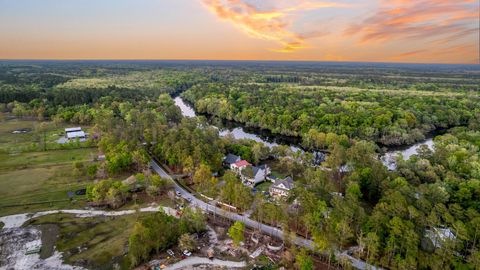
(75, 133)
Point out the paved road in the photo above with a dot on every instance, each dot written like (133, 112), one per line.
(272, 231)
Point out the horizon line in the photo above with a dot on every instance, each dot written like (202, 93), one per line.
(221, 60)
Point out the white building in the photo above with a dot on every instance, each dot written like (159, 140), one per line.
(252, 175)
(281, 187)
(75, 133)
(239, 165)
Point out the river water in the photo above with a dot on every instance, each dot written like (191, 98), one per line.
(240, 132)
(237, 130)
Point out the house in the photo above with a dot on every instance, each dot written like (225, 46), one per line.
(229, 159)
(73, 129)
(239, 165)
(75, 133)
(281, 187)
(266, 169)
(252, 175)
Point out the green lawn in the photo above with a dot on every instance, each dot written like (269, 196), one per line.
(276, 169)
(264, 186)
(47, 187)
(92, 242)
(34, 180)
(17, 142)
(33, 140)
(52, 157)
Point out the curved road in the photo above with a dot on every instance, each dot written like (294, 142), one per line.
(272, 231)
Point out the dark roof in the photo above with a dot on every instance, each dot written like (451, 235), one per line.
(287, 182)
(263, 166)
(230, 159)
(251, 171)
(256, 170)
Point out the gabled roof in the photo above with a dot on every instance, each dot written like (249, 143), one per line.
(286, 183)
(230, 159)
(75, 134)
(241, 163)
(252, 171)
(263, 166)
(256, 170)
(73, 129)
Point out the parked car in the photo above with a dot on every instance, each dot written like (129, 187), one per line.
(170, 252)
(187, 253)
(178, 193)
(82, 191)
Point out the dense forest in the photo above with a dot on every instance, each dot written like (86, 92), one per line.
(388, 117)
(425, 214)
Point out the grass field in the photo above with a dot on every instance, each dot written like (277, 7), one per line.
(35, 189)
(95, 243)
(51, 157)
(33, 139)
(34, 180)
(264, 186)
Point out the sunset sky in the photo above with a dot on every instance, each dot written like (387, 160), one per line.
(431, 31)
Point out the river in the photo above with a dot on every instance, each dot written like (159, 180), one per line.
(238, 131)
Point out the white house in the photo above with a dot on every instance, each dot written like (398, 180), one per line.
(281, 187)
(252, 175)
(239, 165)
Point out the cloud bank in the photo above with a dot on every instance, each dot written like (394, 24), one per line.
(270, 20)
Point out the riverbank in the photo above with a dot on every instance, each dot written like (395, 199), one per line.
(240, 131)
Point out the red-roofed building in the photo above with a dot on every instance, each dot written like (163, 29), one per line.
(239, 165)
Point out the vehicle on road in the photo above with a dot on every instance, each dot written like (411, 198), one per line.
(170, 252)
(187, 253)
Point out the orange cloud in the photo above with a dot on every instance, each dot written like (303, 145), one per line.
(419, 19)
(273, 24)
(465, 51)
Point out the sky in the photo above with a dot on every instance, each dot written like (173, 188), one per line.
(416, 31)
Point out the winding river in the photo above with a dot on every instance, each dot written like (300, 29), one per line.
(240, 132)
